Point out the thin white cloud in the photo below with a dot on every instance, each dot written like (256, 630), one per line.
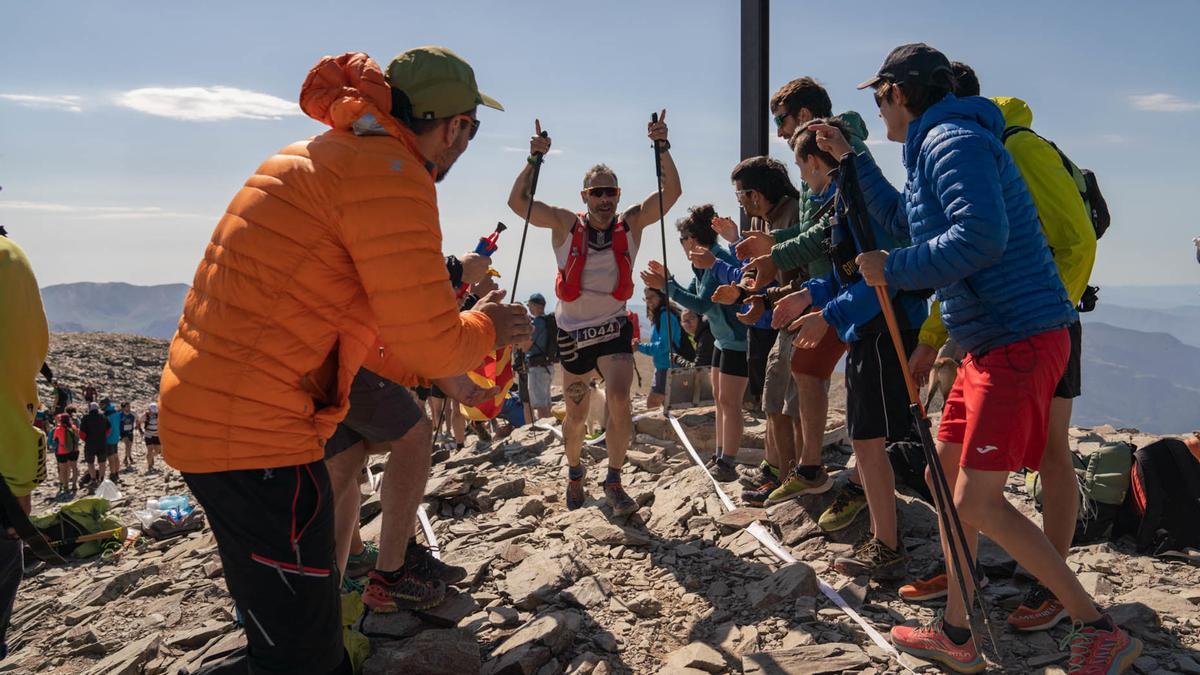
(96, 212)
(1163, 103)
(1113, 139)
(876, 142)
(207, 104)
(513, 148)
(65, 102)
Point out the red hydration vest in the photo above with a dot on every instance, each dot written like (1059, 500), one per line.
(569, 284)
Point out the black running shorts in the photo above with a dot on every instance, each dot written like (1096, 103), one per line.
(579, 360)
(876, 396)
(1071, 384)
(730, 362)
(380, 411)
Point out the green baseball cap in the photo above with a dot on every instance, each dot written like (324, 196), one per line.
(438, 83)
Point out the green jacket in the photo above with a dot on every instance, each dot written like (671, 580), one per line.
(800, 246)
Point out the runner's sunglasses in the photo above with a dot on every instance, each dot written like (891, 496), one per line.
(603, 191)
(474, 126)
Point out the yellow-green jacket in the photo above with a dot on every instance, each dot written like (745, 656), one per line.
(24, 340)
(1064, 216)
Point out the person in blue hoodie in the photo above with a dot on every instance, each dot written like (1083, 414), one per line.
(976, 239)
(664, 320)
(729, 367)
(112, 443)
(876, 396)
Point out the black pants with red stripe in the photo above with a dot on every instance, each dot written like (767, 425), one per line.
(288, 595)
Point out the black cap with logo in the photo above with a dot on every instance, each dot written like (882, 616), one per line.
(916, 62)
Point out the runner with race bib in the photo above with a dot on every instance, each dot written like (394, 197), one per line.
(595, 251)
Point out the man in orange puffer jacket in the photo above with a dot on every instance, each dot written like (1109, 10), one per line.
(327, 260)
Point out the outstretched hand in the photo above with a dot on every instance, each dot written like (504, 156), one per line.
(790, 307)
(655, 276)
(701, 258)
(756, 306)
(810, 329)
(726, 228)
(727, 294)
(511, 322)
(754, 245)
(760, 272)
(831, 140)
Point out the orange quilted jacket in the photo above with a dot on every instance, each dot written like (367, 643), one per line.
(329, 257)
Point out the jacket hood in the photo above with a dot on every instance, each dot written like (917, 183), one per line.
(341, 89)
(972, 109)
(858, 128)
(1016, 112)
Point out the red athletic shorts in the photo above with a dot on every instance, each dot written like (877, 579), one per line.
(999, 406)
(819, 361)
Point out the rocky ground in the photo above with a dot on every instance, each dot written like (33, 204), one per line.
(680, 587)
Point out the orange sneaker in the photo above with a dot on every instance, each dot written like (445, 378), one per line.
(1040, 610)
(932, 588)
(929, 642)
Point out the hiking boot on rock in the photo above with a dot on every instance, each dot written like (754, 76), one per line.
(358, 564)
(419, 558)
(403, 589)
(575, 494)
(849, 502)
(766, 474)
(1100, 651)
(620, 501)
(1040, 610)
(930, 642)
(797, 485)
(872, 558)
(723, 469)
(757, 496)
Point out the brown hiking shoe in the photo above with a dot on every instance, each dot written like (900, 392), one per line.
(575, 493)
(620, 501)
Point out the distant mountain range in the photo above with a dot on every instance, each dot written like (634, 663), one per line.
(1149, 381)
(1141, 345)
(152, 311)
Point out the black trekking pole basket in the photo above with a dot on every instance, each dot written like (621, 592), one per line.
(851, 206)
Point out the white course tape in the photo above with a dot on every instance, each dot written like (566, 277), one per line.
(773, 545)
(427, 528)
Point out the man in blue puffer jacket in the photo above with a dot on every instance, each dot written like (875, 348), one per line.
(977, 240)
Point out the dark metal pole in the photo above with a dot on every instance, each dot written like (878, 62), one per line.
(755, 82)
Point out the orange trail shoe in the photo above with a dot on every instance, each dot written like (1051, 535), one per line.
(1096, 651)
(1040, 610)
(929, 642)
(932, 588)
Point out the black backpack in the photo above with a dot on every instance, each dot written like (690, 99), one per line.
(1162, 509)
(551, 348)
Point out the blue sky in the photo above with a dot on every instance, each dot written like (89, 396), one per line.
(125, 128)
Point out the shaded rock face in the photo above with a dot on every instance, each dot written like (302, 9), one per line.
(680, 587)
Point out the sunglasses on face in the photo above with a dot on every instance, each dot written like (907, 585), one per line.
(474, 126)
(781, 118)
(603, 191)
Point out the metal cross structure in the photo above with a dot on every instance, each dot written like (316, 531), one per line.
(755, 72)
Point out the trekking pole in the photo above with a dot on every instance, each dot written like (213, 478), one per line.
(850, 194)
(662, 226)
(537, 170)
